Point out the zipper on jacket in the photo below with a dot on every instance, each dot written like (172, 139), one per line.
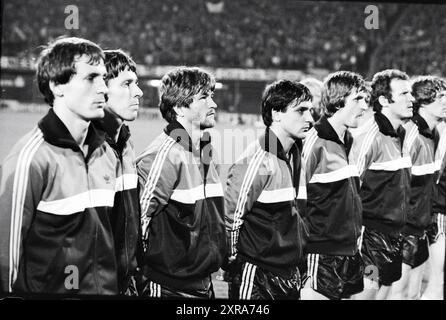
(96, 230)
(125, 219)
(350, 183)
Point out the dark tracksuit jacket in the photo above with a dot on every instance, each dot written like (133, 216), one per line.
(439, 202)
(421, 143)
(384, 164)
(55, 204)
(182, 210)
(125, 218)
(334, 208)
(262, 218)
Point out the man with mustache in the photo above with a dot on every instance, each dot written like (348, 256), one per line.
(122, 105)
(265, 229)
(334, 210)
(181, 196)
(384, 164)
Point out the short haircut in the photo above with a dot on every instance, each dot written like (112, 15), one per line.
(117, 61)
(381, 86)
(279, 94)
(338, 86)
(179, 86)
(57, 62)
(313, 84)
(425, 90)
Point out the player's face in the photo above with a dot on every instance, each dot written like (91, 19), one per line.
(354, 108)
(201, 111)
(401, 107)
(437, 108)
(123, 95)
(84, 94)
(297, 119)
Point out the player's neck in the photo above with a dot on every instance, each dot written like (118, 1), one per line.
(113, 123)
(193, 131)
(77, 126)
(430, 119)
(338, 126)
(286, 141)
(394, 121)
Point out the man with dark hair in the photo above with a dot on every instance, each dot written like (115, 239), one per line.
(122, 105)
(334, 210)
(58, 184)
(384, 169)
(422, 139)
(181, 196)
(266, 232)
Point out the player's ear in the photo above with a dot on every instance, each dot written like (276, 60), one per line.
(383, 101)
(179, 111)
(275, 115)
(56, 89)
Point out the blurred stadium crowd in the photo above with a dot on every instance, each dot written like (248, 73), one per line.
(284, 34)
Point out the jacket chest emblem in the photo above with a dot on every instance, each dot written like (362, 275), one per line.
(107, 179)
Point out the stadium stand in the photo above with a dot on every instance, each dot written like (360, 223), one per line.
(282, 34)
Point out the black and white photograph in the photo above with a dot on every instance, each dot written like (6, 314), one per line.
(222, 155)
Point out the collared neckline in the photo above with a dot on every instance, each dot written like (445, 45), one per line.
(177, 132)
(326, 131)
(56, 133)
(386, 128)
(269, 140)
(110, 126)
(423, 127)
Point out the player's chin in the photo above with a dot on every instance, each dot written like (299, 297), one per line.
(302, 134)
(131, 116)
(97, 114)
(207, 124)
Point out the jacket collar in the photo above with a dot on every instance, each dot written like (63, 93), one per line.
(386, 128)
(326, 131)
(177, 132)
(56, 133)
(110, 126)
(270, 143)
(423, 127)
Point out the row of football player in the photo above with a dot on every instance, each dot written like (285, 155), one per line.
(81, 216)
